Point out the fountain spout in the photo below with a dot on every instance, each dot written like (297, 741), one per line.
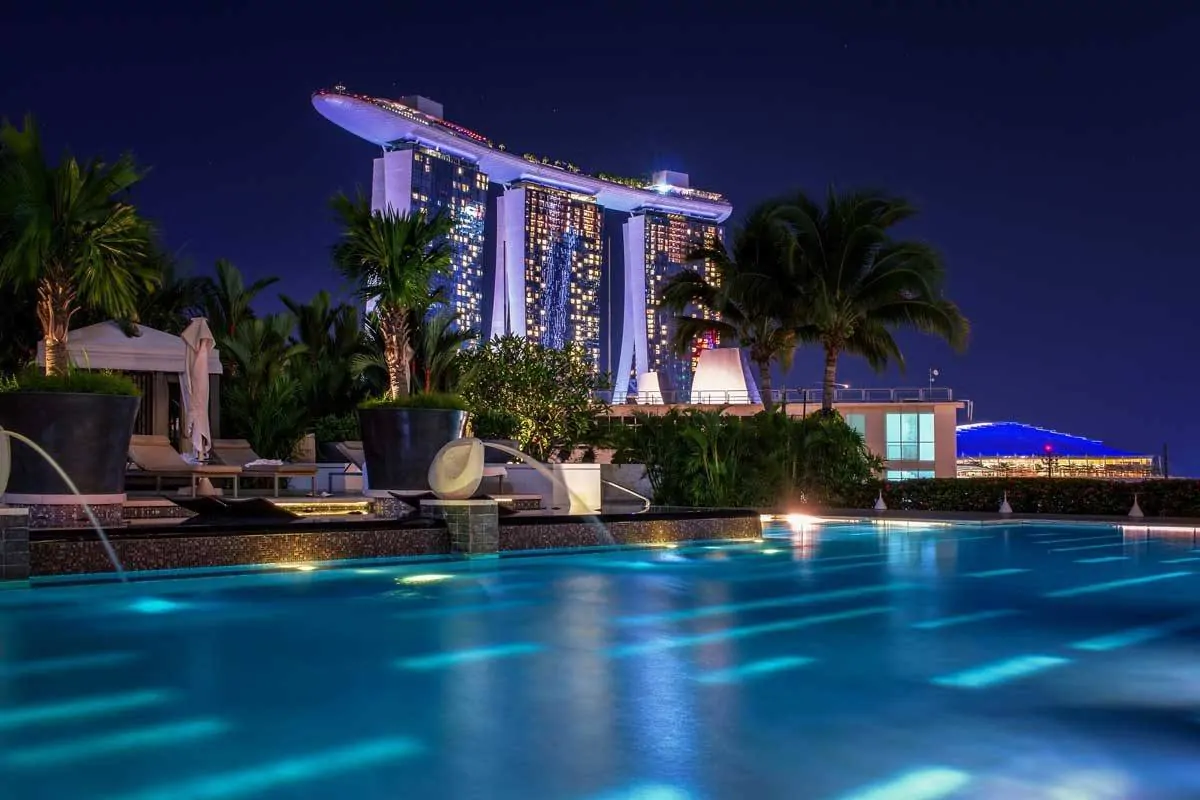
(6, 467)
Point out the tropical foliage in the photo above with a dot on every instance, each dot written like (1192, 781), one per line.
(703, 458)
(859, 284)
(74, 381)
(391, 259)
(753, 289)
(551, 392)
(67, 232)
(798, 272)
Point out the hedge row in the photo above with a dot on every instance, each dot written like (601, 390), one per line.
(1084, 496)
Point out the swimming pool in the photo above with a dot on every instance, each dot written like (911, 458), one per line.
(850, 660)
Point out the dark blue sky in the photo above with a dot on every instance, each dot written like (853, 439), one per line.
(1052, 146)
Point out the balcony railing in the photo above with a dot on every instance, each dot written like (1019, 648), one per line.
(935, 394)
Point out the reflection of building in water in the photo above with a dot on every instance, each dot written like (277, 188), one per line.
(1011, 449)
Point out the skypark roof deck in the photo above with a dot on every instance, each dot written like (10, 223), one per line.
(388, 122)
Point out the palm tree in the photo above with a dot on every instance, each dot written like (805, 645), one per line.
(391, 258)
(227, 299)
(260, 350)
(438, 342)
(742, 296)
(64, 231)
(859, 284)
(332, 336)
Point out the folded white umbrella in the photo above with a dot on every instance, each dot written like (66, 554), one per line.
(199, 343)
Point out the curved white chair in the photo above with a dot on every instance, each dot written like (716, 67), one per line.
(457, 470)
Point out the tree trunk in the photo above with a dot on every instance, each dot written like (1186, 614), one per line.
(55, 306)
(828, 384)
(397, 351)
(764, 385)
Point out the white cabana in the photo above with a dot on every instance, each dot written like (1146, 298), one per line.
(105, 346)
(155, 359)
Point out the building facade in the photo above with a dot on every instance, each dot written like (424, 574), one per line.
(657, 246)
(549, 258)
(412, 179)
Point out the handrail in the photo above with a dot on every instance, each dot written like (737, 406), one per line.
(920, 394)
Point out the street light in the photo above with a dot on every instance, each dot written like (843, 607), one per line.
(933, 373)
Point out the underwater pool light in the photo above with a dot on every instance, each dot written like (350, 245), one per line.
(431, 577)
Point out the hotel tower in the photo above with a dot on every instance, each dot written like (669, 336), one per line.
(550, 259)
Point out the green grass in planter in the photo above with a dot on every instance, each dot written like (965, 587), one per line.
(431, 400)
(77, 381)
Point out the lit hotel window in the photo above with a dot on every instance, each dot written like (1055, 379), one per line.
(910, 437)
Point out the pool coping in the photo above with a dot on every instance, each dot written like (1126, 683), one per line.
(984, 518)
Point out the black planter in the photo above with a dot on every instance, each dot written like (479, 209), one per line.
(400, 443)
(491, 456)
(87, 434)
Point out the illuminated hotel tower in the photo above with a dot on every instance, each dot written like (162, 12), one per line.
(549, 221)
(548, 261)
(657, 245)
(411, 178)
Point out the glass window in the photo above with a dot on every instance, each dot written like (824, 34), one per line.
(858, 422)
(908, 474)
(910, 437)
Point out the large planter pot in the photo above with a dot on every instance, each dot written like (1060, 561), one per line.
(87, 434)
(400, 443)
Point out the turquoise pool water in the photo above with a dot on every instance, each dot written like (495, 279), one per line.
(849, 661)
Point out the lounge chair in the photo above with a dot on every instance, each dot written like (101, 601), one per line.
(239, 453)
(154, 455)
(351, 451)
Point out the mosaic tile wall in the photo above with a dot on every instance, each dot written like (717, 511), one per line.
(228, 550)
(536, 536)
(14, 547)
(82, 554)
(109, 515)
(474, 526)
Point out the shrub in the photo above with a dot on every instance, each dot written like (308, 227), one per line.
(489, 424)
(707, 458)
(437, 400)
(80, 381)
(550, 390)
(1082, 496)
(337, 428)
(272, 419)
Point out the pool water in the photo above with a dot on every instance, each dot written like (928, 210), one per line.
(853, 661)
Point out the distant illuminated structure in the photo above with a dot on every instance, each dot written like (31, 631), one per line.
(410, 178)
(657, 246)
(1011, 449)
(548, 263)
(549, 258)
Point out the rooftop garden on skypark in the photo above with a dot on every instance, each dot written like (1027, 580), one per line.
(644, 184)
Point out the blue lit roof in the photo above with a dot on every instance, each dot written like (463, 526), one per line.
(1016, 440)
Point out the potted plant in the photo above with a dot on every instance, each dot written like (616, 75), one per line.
(83, 420)
(391, 258)
(65, 232)
(499, 427)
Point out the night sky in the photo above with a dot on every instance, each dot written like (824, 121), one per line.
(1052, 147)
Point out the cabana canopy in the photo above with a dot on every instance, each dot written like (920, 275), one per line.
(105, 346)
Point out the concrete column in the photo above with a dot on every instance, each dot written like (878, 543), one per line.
(508, 304)
(474, 524)
(635, 347)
